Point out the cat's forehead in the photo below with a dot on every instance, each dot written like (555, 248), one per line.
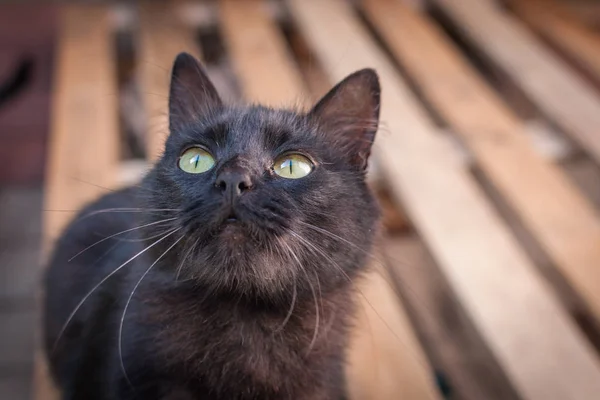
(256, 125)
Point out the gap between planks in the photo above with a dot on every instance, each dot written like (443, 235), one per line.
(510, 305)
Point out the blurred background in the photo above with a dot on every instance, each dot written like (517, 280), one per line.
(487, 168)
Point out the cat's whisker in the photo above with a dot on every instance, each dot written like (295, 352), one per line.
(78, 306)
(322, 253)
(290, 311)
(144, 239)
(317, 318)
(320, 293)
(317, 251)
(115, 210)
(92, 184)
(131, 210)
(120, 233)
(189, 252)
(120, 341)
(377, 260)
(312, 289)
(341, 239)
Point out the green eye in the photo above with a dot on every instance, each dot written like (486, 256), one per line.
(196, 160)
(293, 166)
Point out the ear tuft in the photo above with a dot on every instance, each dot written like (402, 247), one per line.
(349, 115)
(192, 96)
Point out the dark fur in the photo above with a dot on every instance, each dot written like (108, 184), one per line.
(221, 330)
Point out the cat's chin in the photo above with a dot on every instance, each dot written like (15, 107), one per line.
(233, 231)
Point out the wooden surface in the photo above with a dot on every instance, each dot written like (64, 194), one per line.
(452, 343)
(517, 314)
(84, 138)
(386, 361)
(554, 21)
(564, 222)
(563, 96)
(268, 72)
(162, 35)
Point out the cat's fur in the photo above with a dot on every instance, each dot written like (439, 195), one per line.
(258, 308)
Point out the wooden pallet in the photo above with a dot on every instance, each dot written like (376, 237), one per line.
(495, 264)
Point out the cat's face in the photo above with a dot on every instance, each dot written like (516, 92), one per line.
(269, 199)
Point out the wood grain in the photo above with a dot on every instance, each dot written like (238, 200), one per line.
(559, 93)
(386, 361)
(83, 154)
(519, 317)
(564, 222)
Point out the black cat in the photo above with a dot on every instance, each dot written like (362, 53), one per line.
(228, 272)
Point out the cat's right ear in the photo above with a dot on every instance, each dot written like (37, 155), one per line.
(192, 96)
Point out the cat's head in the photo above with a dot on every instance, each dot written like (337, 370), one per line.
(268, 199)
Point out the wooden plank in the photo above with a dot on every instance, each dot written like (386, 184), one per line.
(261, 50)
(162, 35)
(560, 94)
(586, 176)
(385, 357)
(565, 223)
(547, 142)
(555, 22)
(84, 140)
(521, 321)
(453, 344)
(586, 11)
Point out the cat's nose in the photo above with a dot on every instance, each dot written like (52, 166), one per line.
(233, 182)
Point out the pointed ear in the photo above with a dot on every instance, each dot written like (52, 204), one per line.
(192, 96)
(349, 115)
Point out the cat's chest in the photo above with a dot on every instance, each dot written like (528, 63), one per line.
(239, 352)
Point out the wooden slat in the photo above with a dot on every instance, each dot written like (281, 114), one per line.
(515, 311)
(84, 141)
(385, 358)
(453, 344)
(586, 11)
(557, 91)
(386, 361)
(566, 224)
(162, 35)
(556, 23)
(268, 74)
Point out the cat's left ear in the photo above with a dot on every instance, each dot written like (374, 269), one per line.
(192, 96)
(349, 115)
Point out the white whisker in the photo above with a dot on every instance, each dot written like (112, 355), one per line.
(78, 306)
(290, 311)
(306, 242)
(129, 301)
(312, 289)
(192, 248)
(124, 210)
(120, 233)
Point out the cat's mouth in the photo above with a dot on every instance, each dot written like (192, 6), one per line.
(231, 218)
